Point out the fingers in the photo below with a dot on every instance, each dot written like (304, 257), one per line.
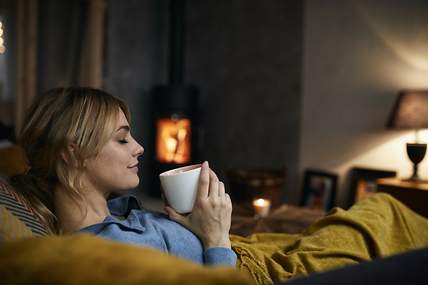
(214, 185)
(204, 181)
(221, 190)
(222, 194)
(173, 215)
(209, 185)
(228, 199)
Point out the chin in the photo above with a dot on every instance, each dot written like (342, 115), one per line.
(128, 185)
(135, 183)
(131, 181)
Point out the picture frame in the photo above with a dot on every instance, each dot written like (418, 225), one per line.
(319, 189)
(362, 182)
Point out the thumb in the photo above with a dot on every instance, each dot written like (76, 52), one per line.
(173, 215)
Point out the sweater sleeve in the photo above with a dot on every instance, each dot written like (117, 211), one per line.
(220, 256)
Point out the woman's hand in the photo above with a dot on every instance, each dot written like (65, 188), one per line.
(211, 215)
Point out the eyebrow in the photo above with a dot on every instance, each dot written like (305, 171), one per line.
(124, 127)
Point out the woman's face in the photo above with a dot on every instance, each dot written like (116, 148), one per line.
(115, 168)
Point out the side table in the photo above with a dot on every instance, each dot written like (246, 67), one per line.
(284, 219)
(413, 194)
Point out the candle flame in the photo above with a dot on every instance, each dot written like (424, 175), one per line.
(261, 202)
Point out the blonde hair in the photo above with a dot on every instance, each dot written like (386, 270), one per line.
(82, 117)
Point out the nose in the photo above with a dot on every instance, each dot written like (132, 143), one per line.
(139, 150)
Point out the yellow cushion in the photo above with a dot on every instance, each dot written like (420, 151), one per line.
(11, 227)
(87, 259)
(17, 218)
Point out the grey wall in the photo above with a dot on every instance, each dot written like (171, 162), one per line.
(136, 61)
(59, 39)
(357, 55)
(245, 58)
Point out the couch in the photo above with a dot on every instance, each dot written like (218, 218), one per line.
(29, 255)
(405, 268)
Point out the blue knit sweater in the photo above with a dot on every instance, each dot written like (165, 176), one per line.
(157, 231)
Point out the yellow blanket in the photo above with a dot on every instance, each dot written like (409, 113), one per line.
(376, 227)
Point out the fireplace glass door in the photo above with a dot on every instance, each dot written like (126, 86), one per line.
(173, 143)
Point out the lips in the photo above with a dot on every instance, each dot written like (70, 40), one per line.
(132, 166)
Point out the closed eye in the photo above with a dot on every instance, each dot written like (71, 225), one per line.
(123, 141)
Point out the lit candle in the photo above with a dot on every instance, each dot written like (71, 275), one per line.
(261, 207)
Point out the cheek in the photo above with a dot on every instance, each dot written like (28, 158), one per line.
(113, 156)
(104, 165)
(114, 165)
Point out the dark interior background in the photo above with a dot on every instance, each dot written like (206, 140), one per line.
(283, 84)
(243, 56)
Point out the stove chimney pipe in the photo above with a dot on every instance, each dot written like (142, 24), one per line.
(176, 41)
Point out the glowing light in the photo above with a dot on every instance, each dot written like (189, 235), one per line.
(412, 46)
(261, 207)
(390, 154)
(2, 47)
(173, 140)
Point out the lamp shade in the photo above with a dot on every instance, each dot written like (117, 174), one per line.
(410, 110)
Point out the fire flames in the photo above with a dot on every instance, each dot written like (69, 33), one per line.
(173, 140)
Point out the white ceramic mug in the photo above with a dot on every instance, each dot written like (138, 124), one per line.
(180, 187)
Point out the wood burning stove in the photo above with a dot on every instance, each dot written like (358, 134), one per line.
(175, 109)
(176, 124)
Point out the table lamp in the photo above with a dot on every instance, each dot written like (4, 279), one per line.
(410, 111)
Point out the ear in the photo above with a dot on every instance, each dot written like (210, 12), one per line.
(68, 154)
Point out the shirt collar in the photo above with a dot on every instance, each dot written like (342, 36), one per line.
(121, 206)
(125, 224)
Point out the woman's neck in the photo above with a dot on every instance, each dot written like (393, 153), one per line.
(74, 214)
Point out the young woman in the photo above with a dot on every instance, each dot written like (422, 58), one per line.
(81, 150)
